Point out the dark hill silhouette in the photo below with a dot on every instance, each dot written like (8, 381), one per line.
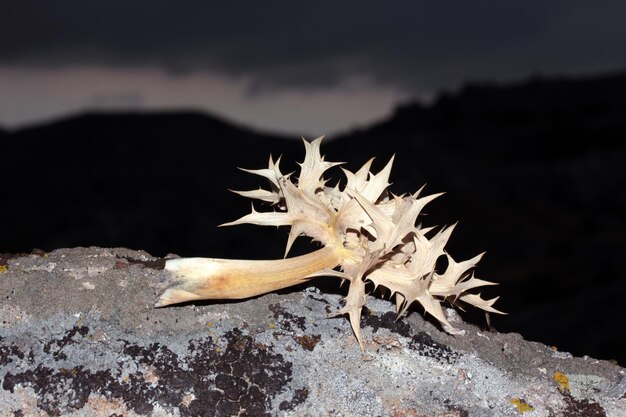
(534, 173)
(153, 181)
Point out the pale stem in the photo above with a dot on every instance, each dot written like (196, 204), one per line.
(211, 279)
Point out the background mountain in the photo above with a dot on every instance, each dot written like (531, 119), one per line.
(534, 172)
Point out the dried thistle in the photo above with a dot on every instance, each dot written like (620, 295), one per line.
(367, 233)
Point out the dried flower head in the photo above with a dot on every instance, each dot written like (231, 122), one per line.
(367, 233)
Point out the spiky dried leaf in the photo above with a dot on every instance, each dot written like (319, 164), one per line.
(370, 234)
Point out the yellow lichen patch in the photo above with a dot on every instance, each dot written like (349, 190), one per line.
(272, 326)
(68, 371)
(562, 380)
(521, 405)
(3, 268)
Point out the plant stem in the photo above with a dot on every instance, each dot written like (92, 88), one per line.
(211, 279)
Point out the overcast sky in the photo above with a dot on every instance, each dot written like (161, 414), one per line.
(301, 67)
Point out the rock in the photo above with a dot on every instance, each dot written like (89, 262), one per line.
(79, 336)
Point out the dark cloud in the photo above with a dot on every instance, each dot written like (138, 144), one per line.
(282, 44)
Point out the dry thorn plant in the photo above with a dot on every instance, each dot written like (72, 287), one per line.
(367, 234)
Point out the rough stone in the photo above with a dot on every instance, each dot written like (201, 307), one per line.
(79, 336)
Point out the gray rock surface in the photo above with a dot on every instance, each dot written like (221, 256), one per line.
(79, 336)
